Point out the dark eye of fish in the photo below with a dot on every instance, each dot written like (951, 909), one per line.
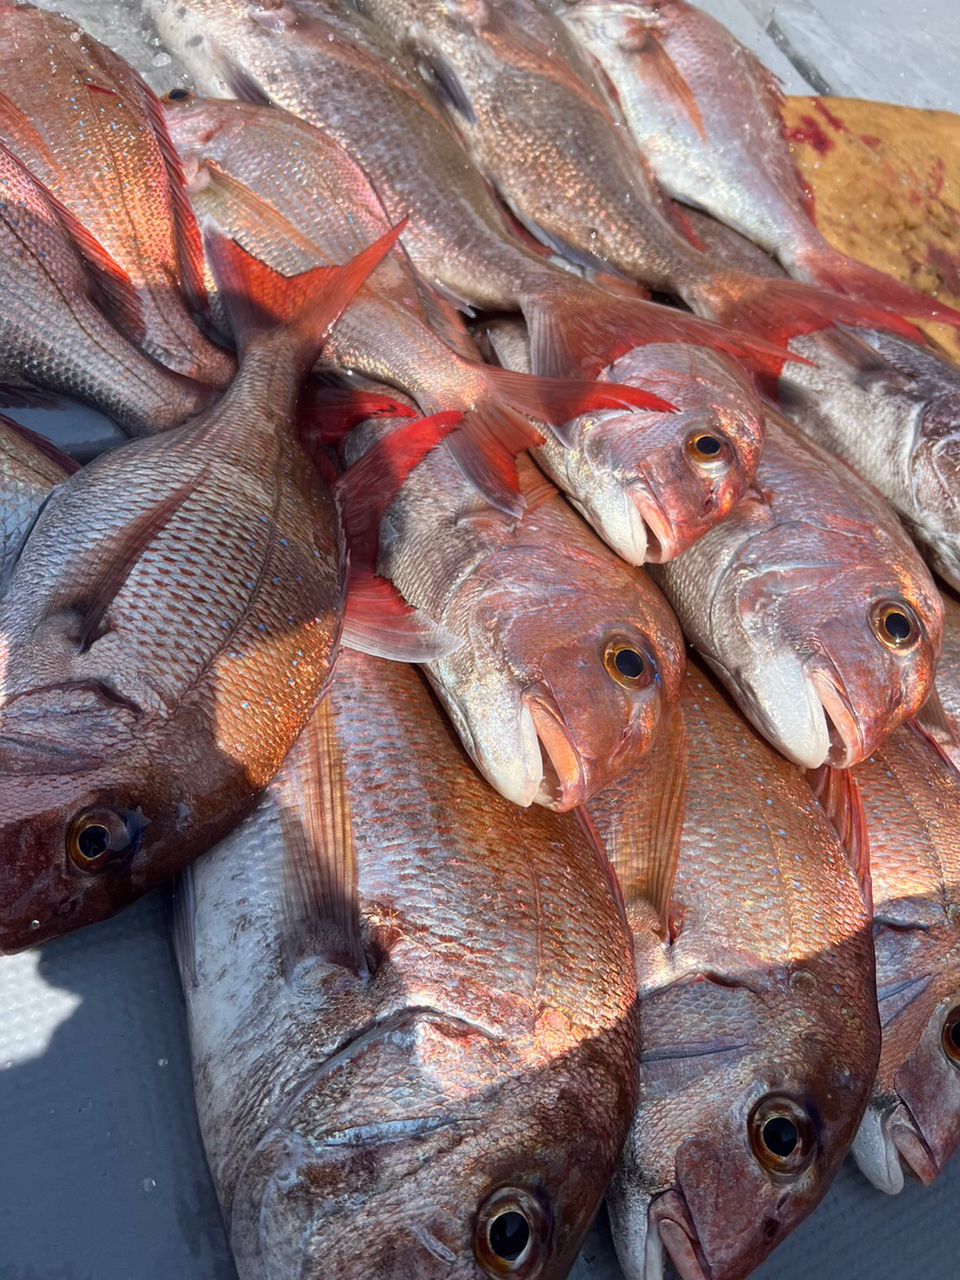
(99, 838)
(707, 449)
(511, 1234)
(896, 625)
(951, 1035)
(627, 666)
(781, 1135)
(177, 95)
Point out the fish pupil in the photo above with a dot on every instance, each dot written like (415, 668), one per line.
(954, 1036)
(709, 446)
(780, 1136)
(509, 1235)
(177, 95)
(897, 625)
(629, 663)
(93, 841)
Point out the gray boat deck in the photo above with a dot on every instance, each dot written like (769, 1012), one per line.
(101, 1167)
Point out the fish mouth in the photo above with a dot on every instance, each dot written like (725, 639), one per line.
(563, 782)
(888, 1141)
(845, 735)
(653, 528)
(671, 1233)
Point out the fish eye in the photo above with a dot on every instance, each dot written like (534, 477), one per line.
(708, 450)
(627, 666)
(99, 838)
(511, 1233)
(176, 95)
(951, 1035)
(781, 1135)
(896, 625)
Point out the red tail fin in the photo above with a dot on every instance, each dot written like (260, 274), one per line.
(834, 270)
(378, 621)
(259, 299)
(497, 426)
(581, 329)
(332, 412)
(779, 310)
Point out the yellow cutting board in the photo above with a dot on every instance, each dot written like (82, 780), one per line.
(886, 187)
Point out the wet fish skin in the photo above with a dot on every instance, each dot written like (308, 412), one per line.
(358, 1122)
(54, 336)
(705, 113)
(530, 690)
(93, 140)
(30, 469)
(785, 598)
(911, 796)
(762, 991)
(948, 671)
(166, 632)
(637, 478)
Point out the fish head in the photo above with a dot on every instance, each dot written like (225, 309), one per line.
(202, 128)
(424, 1148)
(935, 481)
(750, 1095)
(836, 644)
(655, 483)
(597, 666)
(913, 1119)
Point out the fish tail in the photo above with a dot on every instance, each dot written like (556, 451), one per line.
(502, 422)
(577, 329)
(831, 269)
(260, 301)
(779, 310)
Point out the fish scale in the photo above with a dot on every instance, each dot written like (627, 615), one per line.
(502, 997)
(96, 149)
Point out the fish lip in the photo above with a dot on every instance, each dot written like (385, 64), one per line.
(910, 1145)
(661, 540)
(563, 784)
(681, 1244)
(847, 741)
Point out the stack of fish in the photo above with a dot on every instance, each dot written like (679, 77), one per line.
(504, 905)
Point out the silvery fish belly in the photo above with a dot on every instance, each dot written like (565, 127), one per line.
(411, 1009)
(651, 484)
(567, 658)
(755, 967)
(911, 797)
(812, 606)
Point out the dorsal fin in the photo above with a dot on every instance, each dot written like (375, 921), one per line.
(842, 801)
(321, 911)
(644, 844)
(42, 445)
(22, 131)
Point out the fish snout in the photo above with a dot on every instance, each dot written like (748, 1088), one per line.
(671, 1232)
(563, 783)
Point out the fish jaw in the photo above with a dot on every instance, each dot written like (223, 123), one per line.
(661, 542)
(888, 1140)
(562, 783)
(671, 1230)
(783, 704)
(850, 739)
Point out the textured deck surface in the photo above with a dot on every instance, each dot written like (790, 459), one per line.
(101, 1165)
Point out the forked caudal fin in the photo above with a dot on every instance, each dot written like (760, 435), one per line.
(779, 310)
(260, 300)
(834, 270)
(577, 329)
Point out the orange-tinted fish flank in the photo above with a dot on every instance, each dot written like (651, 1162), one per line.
(911, 796)
(567, 658)
(813, 606)
(168, 628)
(52, 332)
(760, 1034)
(705, 113)
(30, 468)
(426, 1020)
(96, 138)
